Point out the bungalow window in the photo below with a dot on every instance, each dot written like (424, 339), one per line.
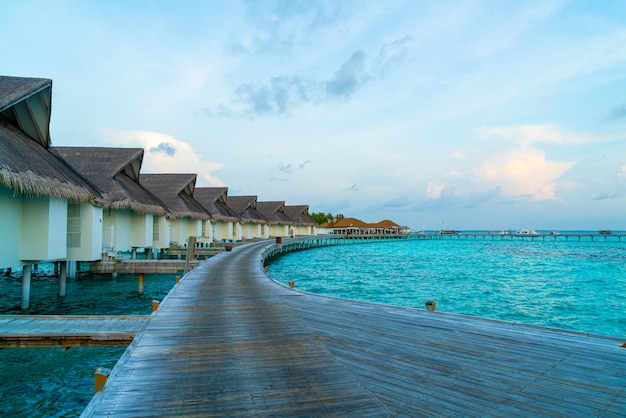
(73, 225)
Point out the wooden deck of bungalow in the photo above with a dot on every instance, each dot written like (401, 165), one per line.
(29, 331)
(227, 340)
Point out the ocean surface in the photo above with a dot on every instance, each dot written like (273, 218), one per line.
(50, 382)
(572, 285)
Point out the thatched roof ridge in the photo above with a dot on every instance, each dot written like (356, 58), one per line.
(176, 191)
(245, 207)
(29, 169)
(385, 224)
(213, 200)
(115, 173)
(27, 104)
(16, 89)
(346, 223)
(299, 214)
(274, 211)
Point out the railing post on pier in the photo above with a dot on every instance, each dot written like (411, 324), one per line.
(100, 378)
(140, 282)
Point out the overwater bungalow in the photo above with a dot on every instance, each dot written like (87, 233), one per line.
(280, 224)
(49, 212)
(225, 221)
(132, 217)
(253, 223)
(303, 223)
(176, 191)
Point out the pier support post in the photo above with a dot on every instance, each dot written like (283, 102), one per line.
(140, 282)
(71, 269)
(26, 273)
(62, 277)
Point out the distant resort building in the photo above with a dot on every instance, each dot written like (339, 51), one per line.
(357, 226)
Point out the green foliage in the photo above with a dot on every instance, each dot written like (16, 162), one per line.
(321, 217)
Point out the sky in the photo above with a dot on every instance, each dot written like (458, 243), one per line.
(434, 114)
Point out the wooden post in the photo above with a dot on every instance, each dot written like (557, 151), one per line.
(140, 282)
(62, 277)
(26, 273)
(191, 251)
(100, 378)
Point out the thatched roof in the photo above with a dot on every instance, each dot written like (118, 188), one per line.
(29, 169)
(115, 173)
(299, 214)
(27, 104)
(345, 223)
(274, 212)
(176, 191)
(353, 223)
(245, 207)
(213, 199)
(385, 224)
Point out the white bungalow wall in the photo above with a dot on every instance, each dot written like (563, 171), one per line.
(223, 231)
(279, 230)
(207, 231)
(250, 230)
(84, 232)
(237, 232)
(44, 229)
(116, 230)
(11, 227)
(142, 230)
(179, 231)
(160, 232)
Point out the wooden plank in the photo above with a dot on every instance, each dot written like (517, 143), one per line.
(29, 331)
(229, 341)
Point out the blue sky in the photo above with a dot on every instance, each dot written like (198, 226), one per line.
(455, 114)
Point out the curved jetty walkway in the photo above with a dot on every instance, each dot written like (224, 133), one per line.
(228, 341)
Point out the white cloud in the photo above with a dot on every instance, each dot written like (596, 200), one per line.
(530, 134)
(165, 154)
(524, 171)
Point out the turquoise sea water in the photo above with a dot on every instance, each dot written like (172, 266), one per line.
(571, 285)
(50, 382)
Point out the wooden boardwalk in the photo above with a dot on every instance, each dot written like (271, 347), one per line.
(229, 341)
(28, 331)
